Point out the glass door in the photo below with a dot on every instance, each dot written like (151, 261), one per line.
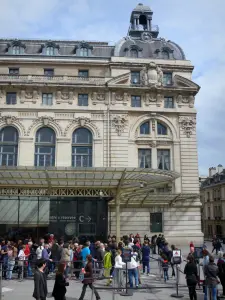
(156, 222)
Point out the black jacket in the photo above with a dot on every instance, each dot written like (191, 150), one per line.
(40, 285)
(191, 273)
(59, 289)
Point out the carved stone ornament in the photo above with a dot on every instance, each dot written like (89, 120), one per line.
(10, 120)
(119, 123)
(81, 122)
(2, 93)
(152, 76)
(120, 98)
(150, 98)
(44, 121)
(188, 125)
(191, 101)
(98, 97)
(159, 100)
(29, 96)
(146, 36)
(64, 96)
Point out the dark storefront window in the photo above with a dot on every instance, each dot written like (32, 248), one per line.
(156, 222)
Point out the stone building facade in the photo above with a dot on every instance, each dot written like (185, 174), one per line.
(212, 195)
(71, 104)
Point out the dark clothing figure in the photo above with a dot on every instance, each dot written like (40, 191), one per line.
(59, 290)
(40, 286)
(221, 275)
(88, 280)
(145, 258)
(191, 273)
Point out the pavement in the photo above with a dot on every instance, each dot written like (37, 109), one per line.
(154, 286)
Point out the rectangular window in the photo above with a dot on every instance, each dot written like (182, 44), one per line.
(209, 215)
(47, 99)
(135, 101)
(83, 73)
(83, 100)
(135, 77)
(167, 79)
(49, 72)
(11, 98)
(168, 102)
(208, 196)
(163, 159)
(144, 158)
(14, 71)
(156, 222)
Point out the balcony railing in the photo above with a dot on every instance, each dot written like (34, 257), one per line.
(70, 80)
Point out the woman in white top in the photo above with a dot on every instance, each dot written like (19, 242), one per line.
(39, 251)
(21, 262)
(118, 269)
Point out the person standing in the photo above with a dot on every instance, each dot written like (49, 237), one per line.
(4, 258)
(191, 273)
(145, 257)
(65, 258)
(132, 271)
(211, 272)
(59, 290)
(107, 265)
(12, 254)
(85, 252)
(221, 267)
(40, 282)
(88, 279)
(118, 269)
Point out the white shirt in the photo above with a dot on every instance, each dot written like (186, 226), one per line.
(21, 255)
(132, 264)
(39, 252)
(118, 262)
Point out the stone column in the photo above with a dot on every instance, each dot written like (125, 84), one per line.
(154, 158)
(63, 155)
(138, 23)
(118, 219)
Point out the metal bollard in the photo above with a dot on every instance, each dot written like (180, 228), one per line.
(1, 281)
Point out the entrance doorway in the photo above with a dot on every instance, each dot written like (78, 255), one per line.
(78, 217)
(156, 222)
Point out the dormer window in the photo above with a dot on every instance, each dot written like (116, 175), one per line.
(134, 53)
(165, 55)
(83, 51)
(16, 48)
(50, 49)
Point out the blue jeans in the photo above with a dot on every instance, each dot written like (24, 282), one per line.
(166, 276)
(29, 269)
(214, 292)
(11, 264)
(133, 273)
(146, 264)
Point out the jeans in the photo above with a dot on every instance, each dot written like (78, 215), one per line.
(133, 273)
(29, 269)
(165, 273)
(11, 264)
(4, 266)
(146, 264)
(118, 277)
(66, 272)
(208, 289)
(84, 291)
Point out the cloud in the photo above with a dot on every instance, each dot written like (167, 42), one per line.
(197, 26)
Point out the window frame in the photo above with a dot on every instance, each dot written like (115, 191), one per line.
(47, 99)
(14, 71)
(165, 52)
(83, 71)
(81, 100)
(163, 126)
(11, 101)
(165, 78)
(50, 51)
(140, 158)
(76, 145)
(82, 51)
(149, 128)
(5, 155)
(138, 73)
(164, 161)
(49, 72)
(169, 102)
(132, 51)
(17, 50)
(134, 99)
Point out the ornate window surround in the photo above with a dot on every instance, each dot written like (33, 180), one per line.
(50, 44)
(78, 48)
(16, 43)
(133, 47)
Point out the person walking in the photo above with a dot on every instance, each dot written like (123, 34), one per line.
(191, 273)
(211, 272)
(65, 258)
(145, 257)
(40, 282)
(88, 279)
(59, 290)
(107, 265)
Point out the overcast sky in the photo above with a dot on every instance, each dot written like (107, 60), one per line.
(196, 25)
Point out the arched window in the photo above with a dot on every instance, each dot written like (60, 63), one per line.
(50, 51)
(165, 54)
(8, 146)
(17, 50)
(134, 53)
(82, 148)
(83, 51)
(45, 147)
(145, 128)
(161, 129)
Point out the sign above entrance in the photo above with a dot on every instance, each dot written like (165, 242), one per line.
(81, 219)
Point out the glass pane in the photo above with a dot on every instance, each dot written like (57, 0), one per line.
(45, 135)
(11, 98)
(161, 129)
(83, 73)
(83, 52)
(145, 128)
(136, 101)
(9, 134)
(135, 77)
(82, 136)
(144, 158)
(163, 157)
(82, 100)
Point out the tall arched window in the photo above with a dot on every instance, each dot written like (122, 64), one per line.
(83, 51)
(145, 128)
(134, 53)
(50, 51)
(165, 54)
(161, 129)
(82, 148)
(45, 147)
(8, 146)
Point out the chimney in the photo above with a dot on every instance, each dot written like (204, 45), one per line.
(220, 168)
(212, 171)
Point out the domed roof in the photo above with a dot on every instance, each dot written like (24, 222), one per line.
(140, 7)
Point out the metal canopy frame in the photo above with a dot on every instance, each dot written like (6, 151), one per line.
(126, 186)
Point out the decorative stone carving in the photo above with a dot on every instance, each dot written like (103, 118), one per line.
(98, 97)
(2, 93)
(119, 123)
(153, 124)
(82, 122)
(188, 125)
(150, 98)
(152, 75)
(29, 96)
(120, 98)
(153, 144)
(64, 96)
(191, 101)
(10, 120)
(44, 121)
(179, 100)
(159, 100)
(146, 36)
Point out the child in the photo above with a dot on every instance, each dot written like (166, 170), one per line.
(165, 266)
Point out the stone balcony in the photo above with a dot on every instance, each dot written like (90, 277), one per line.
(50, 80)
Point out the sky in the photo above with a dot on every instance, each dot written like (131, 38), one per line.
(196, 25)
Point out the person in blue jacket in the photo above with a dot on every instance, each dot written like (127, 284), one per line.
(85, 252)
(145, 257)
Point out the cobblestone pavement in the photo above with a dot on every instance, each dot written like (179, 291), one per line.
(156, 288)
